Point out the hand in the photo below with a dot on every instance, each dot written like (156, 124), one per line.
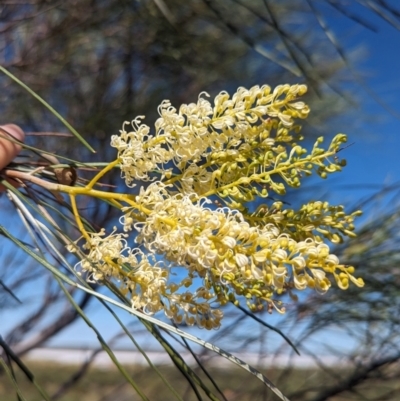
(8, 149)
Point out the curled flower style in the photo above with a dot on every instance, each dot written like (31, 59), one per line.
(104, 256)
(109, 257)
(137, 153)
(196, 179)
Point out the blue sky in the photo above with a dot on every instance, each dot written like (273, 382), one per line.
(373, 160)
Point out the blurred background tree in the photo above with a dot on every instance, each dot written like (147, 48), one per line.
(101, 62)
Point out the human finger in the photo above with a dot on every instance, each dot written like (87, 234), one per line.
(8, 149)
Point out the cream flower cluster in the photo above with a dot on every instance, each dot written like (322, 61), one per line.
(221, 247)
(148, 283)
(203, 163)
(110, 257)
(199, 130)
(137, 154)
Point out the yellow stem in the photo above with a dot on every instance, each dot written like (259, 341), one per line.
(78, 219)
(102, 173)
(167, 221)
(74, 191)
(116, 204)
(116, 266)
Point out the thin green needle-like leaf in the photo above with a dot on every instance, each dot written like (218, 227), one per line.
(24, 369)
(12, 379)
(27, 202)
(181, 365)
(38, 151)
(280, 60)
(287, 339)
(102, 341)
(123, 299)
(59, 116)
(202, 367)
(139, 348)
(382, 12)
(331, 37)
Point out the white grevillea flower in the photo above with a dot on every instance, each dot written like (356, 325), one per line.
(109, 257)
(221, 244)
(137, 153)
(192, 133)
